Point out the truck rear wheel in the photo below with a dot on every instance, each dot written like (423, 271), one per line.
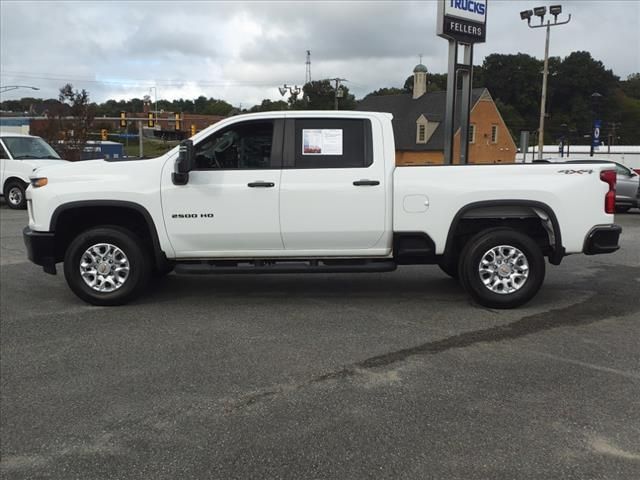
(106, 266)
(502, 268)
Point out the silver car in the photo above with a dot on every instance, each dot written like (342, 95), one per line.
(627, 185)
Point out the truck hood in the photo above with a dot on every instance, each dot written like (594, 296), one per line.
(36, 164)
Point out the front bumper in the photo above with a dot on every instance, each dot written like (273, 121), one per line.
(41, 248)
(602, 239)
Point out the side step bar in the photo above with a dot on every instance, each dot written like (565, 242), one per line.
(274, 266)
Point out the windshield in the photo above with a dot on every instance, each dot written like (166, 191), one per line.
(32, 148)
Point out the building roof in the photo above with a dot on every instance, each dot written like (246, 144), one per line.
(420, 68)
(406, 110)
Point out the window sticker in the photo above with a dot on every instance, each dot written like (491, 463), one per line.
(322, 141)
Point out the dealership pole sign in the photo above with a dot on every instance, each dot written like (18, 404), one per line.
(463, 20)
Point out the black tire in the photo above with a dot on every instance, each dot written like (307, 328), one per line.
(14, 195)
(129, 245)
(623, 209)
(450, 267)
(472, 279)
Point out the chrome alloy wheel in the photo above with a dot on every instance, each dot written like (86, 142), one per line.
(503, 269)
(104, 267)
(15, 195)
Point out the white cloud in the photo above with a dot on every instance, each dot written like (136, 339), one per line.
(242, 52)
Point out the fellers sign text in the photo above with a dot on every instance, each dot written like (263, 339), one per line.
(463, 20)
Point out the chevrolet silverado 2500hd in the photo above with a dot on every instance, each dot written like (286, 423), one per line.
(297, 192)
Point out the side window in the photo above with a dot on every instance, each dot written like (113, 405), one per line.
(245, 145)
(620, 170)
(332, 143)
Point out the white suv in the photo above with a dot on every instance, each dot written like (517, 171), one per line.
(19, 155)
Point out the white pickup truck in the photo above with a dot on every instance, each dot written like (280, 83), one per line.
(298, 192)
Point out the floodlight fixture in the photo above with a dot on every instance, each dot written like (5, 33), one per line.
(555, 10)
(540, 11)
(526, 14)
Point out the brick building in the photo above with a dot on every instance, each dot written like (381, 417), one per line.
(418, 125)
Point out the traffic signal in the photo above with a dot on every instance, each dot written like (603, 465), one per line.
(193, 129)
(123, 119)
(150, 123)
(177, 121)
(104, 135)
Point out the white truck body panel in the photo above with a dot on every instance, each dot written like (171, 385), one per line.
(317, 212)
(576, 199)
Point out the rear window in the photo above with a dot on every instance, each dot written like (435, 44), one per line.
(333, 143)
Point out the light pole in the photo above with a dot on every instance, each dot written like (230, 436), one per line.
(595, 136)
(554, 10)
(293, 91)
(8, 88)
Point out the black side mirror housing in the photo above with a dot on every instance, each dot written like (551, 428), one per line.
(184, 163)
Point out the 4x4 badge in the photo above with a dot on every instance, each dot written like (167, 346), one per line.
(572, 172)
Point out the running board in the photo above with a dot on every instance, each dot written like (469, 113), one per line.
(274, 266)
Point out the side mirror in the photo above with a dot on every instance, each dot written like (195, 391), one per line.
(184, 163)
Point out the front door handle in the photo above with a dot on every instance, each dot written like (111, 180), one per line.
(261, 184)
(366, 183)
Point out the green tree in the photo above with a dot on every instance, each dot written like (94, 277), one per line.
(320, 95)
(269, 106)
(631, 86)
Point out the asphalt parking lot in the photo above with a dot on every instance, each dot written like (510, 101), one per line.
(322, 376)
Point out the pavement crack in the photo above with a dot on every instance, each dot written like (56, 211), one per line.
(583, 313)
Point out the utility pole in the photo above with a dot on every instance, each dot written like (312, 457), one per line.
(337, 93)
(554, 10)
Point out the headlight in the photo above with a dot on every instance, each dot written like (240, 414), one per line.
(39, 182)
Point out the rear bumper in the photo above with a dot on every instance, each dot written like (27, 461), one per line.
(602, 239)
(41, 249)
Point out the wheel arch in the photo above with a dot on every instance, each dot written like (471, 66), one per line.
(71, 218)
(504, 210)
(14, 178)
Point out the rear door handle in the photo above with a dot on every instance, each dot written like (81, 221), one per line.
(366, 183)
(261, 184)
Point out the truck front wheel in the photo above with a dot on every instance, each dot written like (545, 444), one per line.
(106, 266)
(14, 195)
(502, 268)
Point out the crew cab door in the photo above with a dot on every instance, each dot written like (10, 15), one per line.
(332, 193)
(229, 207)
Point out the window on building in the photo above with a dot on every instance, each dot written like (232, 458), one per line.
(422, 133)
(472, 133)
(494, 133)
(245, 145)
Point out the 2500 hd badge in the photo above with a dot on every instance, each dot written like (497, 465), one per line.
(192, 215)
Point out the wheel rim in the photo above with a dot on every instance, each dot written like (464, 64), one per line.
(15, 195)
(504, 269)
(104, 267)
